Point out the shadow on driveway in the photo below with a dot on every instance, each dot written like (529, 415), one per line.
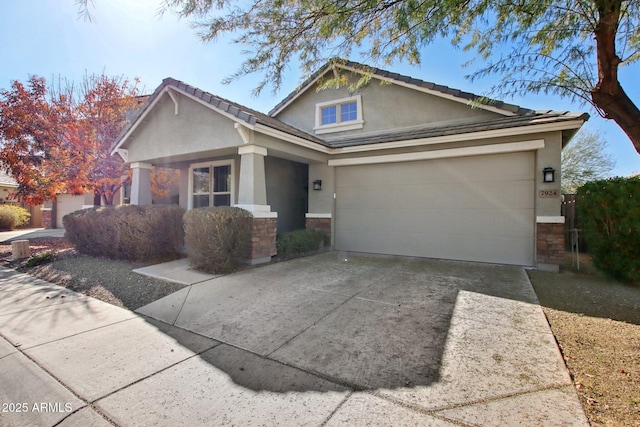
(361, 321)
(331, 339)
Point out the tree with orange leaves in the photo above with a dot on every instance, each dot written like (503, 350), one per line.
(56, 139)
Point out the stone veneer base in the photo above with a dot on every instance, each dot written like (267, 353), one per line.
(263, 240)
(549, 244)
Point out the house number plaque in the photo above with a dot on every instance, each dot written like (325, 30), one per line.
(548, 193)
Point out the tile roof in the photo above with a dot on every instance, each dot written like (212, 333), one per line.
(464, 96)
(517, 117)
(536, 118)
(239, 111)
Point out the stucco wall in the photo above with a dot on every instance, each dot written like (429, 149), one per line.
(386, 106)
(321, 201)
(286, 192)
(195, 129)
(549, 156)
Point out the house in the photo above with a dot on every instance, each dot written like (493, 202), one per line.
(65, 203)
(8, 186)
(402, 166)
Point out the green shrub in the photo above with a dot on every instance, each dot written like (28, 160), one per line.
(300, 241)
(142, 233)
(23, 215)
(609, 217)
(8, 218)
(40, 259)
(217, 239)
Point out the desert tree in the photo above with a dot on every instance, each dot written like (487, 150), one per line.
(585, 159)
(55, 138)
(571, 48)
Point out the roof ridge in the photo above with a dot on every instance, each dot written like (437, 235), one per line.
(458, 93)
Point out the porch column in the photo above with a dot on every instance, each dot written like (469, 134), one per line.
(141, 183)
(252, 196)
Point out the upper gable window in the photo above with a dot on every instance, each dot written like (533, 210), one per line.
(339, 115)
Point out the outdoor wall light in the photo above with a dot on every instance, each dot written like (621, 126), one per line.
(317, 184)
(548, 175)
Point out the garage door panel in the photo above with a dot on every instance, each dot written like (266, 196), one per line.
(66, 204)
(467, 195)
(513, 222)
(509, 250)
(493, 168)
(477, 209)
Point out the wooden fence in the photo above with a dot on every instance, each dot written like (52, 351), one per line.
(572, 221)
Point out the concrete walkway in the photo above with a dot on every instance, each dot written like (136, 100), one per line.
(332, 339)
(30, 233)
(178, 271)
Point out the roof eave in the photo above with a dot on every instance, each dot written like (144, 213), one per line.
(406, 81)
(564, 125)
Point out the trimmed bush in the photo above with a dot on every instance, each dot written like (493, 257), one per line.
(141, 233)
(609, 217)
(300, 241)
(8, 218)
(23, 215)
(217, 238)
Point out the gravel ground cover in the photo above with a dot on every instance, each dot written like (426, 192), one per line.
(108, 280)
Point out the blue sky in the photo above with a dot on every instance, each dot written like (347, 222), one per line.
(46, 37)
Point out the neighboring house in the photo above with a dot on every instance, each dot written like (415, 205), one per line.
(406, 168)
(66, 203)
(8, 186)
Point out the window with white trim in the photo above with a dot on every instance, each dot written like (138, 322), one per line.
(211, 184)
(339, 115)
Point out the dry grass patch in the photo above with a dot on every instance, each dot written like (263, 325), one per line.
(596, 322)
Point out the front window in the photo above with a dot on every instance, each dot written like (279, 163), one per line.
(211, 185)
(339, 115)
(329, 115)
(349, 111)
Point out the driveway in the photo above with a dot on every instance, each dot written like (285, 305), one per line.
(332, 339)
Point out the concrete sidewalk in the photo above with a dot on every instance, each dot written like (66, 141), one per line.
(67, 359)
(30, 233)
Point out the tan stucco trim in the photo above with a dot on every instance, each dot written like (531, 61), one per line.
(550, 219)
(339, 126)
(124, 153)
(141, 165)
(174, 98)
(317, 215)
(252, 149)
(245, 133)
(259, 211)
(442, 154)
(524, 130)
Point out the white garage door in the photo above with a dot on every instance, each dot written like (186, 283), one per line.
(474, 208)
(65, 204)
